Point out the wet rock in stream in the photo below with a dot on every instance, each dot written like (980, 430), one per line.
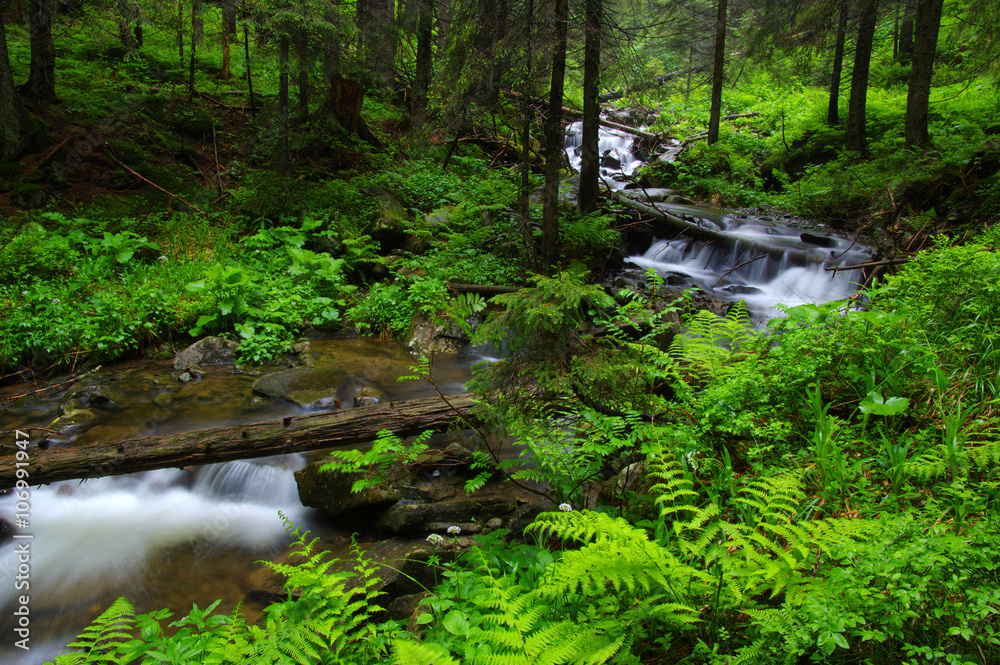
(308, 387)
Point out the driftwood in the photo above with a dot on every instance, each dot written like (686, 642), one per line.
(287, 435)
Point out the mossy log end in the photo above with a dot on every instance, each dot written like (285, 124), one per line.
(288, 435)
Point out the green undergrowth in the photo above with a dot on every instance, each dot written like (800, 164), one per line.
(825, 491)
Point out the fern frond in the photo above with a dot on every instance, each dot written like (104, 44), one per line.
(103, 639)
(408, 652)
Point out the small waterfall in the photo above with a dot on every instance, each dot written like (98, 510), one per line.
(614, 148)
(94, 540)
(761, 264)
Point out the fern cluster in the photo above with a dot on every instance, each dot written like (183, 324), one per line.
(326, 619)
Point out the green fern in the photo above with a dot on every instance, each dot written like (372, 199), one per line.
(103, 640)
(710, 341)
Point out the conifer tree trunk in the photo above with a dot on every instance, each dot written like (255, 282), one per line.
(180, 31)
(590, 165)
(228, 29)
(833, 109)
(302, 57)
(527, 112)
(197, 24)
(246, 51)
(129, 29)
(554, 139)
(905, 50)
(331, 50)
(425, 58)
(856, 138)
(927, 23)
(41, 85)
(282, 161)
(194, 47)
(718, 72)
(13, 119)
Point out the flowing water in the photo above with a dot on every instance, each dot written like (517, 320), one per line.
(171, 537)
(759, 261)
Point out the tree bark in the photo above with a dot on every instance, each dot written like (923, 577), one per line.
(129, 28)
(281, 163)
(856, 139)
(425, 57)
(331, 50)
(905, 51)
(197, 24)
(718, 73)
(246, 51)
(376, 23)
(590, 164)
(554, 139)
(527, 118)
(833, 109)
(293, 434)
(41, 85)
(302, 57)
(13, 119)
(927, 23)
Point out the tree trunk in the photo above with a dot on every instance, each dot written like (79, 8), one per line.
(425, 57)
(246, 51)
(128, 25)
(331, 50)
(927, 22)
(281, 163)
(180, 30)
(590, 165)
(13, 119)
(718, 73)
(833, 109)
(195, 18)
(527, 117)
(554, 139)
(378, 33)
(197, 24)
(856, 139)
(228, 29)
(276, 437)
(41, 85)
(905, 51)
(302, 57)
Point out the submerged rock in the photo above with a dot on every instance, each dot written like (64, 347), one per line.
(74, 421)
(207, 351)
(368, 396)
(308, 387)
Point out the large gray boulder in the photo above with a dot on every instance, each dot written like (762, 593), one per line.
(207, 351)
(308, 387)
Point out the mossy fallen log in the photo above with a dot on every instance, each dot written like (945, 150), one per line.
(291, 434)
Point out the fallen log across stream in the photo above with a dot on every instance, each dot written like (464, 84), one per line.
(669, 219)
(291, 434)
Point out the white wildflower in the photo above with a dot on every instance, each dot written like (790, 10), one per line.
(454, 530)
(565, 507)
(435, 539)
(55, 301)
(25, 292)
(162, 259)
